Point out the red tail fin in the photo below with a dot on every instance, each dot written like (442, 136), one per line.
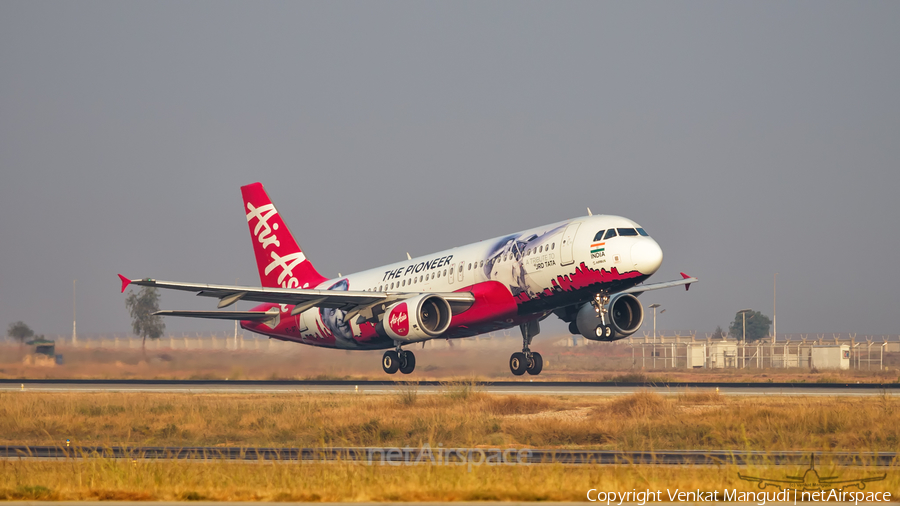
(280, 260)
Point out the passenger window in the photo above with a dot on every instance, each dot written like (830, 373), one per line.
(627, 232)
(482, 263)
(392, 286)
(470, 267)
(553, 246)
(404, 282)
(451, 270)
(599, 236)
(445, 272)
(610, 233)
(641, 231)
(541, 249)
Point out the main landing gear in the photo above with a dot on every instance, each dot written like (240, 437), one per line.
(526, 360)
(398, 360)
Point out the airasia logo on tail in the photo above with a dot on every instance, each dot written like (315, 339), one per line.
(265, 235)
(399, 320)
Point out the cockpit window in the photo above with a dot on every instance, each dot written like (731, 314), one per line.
(610, 233)
(641, 231)
(599, 236)
(627, 231)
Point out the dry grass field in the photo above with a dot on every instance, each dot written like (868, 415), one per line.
(220, 481)
(461, 416)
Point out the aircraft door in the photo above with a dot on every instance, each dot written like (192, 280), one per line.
(566, 255)
(461, 265)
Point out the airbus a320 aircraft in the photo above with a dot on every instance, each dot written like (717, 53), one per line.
(588, 271)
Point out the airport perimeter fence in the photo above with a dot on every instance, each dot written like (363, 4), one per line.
(837, 351)
(231, 341)
(667, 350)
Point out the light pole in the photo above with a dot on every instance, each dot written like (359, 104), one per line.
(743, 313)
(74, 333)
(234, 344)
(654, 306)
(775, 309)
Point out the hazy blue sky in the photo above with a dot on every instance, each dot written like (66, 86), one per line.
(747, 137)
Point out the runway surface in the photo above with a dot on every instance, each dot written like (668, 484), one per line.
(523, 387)
(450, 456)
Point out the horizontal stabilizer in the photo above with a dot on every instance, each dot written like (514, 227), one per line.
(270, 317)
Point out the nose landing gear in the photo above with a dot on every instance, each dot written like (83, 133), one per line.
(527, 360)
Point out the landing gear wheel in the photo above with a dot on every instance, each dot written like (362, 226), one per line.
(390, 362)
(518, 364)
(603, 331)
(536, 364)
(407, 362)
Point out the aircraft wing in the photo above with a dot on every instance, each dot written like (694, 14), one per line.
(301, 299)
(639, 289)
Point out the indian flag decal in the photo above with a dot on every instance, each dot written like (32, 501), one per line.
(597, 247)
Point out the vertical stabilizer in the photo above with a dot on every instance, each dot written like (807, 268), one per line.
(280, 260)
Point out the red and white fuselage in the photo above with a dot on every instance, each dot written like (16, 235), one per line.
(587, 270)
(517, 277)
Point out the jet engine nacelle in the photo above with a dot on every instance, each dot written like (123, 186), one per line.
(624, 316)
(416, 319)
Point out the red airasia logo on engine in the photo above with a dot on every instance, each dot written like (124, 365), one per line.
(399, 320)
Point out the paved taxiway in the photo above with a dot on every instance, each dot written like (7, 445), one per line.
(524, 387)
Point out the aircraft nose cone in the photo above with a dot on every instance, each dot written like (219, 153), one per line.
(647, 256)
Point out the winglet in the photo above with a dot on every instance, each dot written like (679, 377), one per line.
(683, 275)
(125, 282)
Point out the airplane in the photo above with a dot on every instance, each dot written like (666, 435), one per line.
(588, 271)
(811, 481)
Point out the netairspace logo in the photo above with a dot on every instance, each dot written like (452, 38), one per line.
(470, 457)
(641, 497)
